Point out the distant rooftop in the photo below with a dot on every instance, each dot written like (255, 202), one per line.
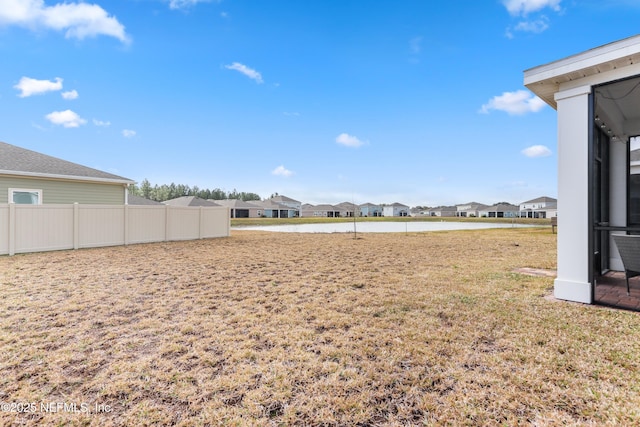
(190, 201)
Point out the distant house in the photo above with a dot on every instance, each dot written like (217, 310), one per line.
(369, 209)
(323, 211)
(190, 201)
(29, 177)
(395, 209)
(293, 204)
(471, 209)
(349, 209)
(306, 210)
(240, 209)
(270, 209)
(441, 211)
(500, 210)
(541, 207)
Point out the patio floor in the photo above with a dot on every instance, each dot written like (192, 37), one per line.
(611, 290)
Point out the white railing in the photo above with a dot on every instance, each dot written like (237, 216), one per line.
(36, 228)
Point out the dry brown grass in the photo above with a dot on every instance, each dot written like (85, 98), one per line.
(294, 329)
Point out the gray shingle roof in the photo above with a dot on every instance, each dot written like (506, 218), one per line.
(269, 205)
(20, 161)
(325, 207)
(347, 205)
(501, 207)
(236, 204)
(541, 199)
(189, 201)
(280, 199)
(137, 200)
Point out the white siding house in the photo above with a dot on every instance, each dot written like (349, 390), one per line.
(541, 207)
(369, 209)
(471, 209)
(598, 117)
(396, 209)
(293, 205)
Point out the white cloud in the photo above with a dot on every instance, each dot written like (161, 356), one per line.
(72, 94)
(524, 7)
(128, 133)
(536, 151)
(415, 45)
(348, 140)
(101, 123)
(249, 72)
(78, 20)
(282, 171)
(514, 103)
(28, 86)
(182, 4)
(67, 118)
(537, 26)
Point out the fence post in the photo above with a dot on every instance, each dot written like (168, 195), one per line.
(126, 225)
(167, 229)
(12, 229)
(76, 225)
(201, 223)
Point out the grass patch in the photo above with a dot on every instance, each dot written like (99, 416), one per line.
(308, 329)
(239, 222)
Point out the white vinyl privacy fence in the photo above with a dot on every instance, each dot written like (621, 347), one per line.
(35, 228)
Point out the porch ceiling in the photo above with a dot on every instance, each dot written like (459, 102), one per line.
(616, 103)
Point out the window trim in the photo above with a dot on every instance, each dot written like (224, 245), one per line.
(24, 190)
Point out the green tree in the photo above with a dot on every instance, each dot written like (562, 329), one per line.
(145, 189)
(247, 197)
(133, 189)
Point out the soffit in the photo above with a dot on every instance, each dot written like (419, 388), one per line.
(545, 80)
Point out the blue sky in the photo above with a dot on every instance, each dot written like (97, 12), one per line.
(414, 101)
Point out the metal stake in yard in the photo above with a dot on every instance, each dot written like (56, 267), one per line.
(355, 233)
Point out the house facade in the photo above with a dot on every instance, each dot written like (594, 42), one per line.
(541, 207)
(29, 177)
(442, 211)
(293, 205)
(396, 209)
(240, 209)
(270, 209)
(369, 209)
(471, 209)
(500, 210)
(594, 93)
(321, 211)
(349, 209)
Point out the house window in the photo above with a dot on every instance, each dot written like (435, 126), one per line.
(22, 196)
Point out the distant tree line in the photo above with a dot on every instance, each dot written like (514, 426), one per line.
(161, 193)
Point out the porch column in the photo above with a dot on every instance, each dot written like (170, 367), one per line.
(572, 282)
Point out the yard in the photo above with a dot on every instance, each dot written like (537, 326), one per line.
(303, 329)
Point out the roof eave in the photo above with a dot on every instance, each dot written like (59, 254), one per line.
(123, 181)
(544, 80)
